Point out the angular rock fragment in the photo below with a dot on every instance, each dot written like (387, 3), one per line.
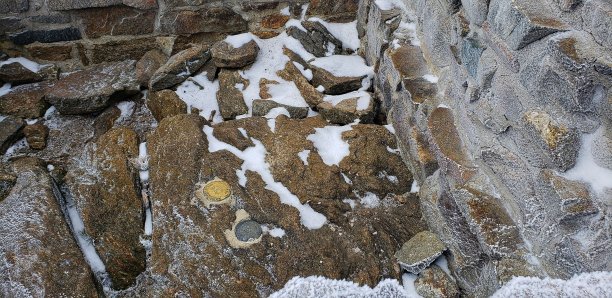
(165, 103)
(179, 67)
(38, 250)
(433, 282)
(575, 198)
(334, 85)
(224, 54)
(230, 98)
(150, 62)
(7, 181)
(26, 101)
(346, 108)
(11, 130)
(16, 73)
(92, 90)
(317, 40)
(261, 107)
(291, 73)
(419, 252)
(36, 135)
(560, 143)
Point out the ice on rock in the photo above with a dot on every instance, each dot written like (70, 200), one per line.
(591, 284)
(29, 64)
(587, 170)
(5, 89)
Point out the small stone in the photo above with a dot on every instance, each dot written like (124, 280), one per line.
(230, 98)
(15, 73)
(7, 181)
(225, 55)
(310, 94)
(261, 107)
(36, 135)
(433, 282)
(317, 40)
(179, 67)
(334, 85)
(91, 90)
(26, 101)
(274, 21)
(419, 252)
(165, 103)
(150, 62)
(248, 230)
(349, 108)
(11, 130)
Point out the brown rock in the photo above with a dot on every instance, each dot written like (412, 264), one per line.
(230, 99)
(150, 62)
(116, 20)
(165, 103)
(11, 130)
(179, 67)
(274, 21)
(36, 135)
(265, 34)
(91, 90)
(433, 282)
(261, 107)
(291, 73)
(38, 231)
(348, 109)
(105, 121)
(15, 73)
(50, 52)
(575, 198)
(26, 101)
(7, 181)
(225, 55)
(334, 85)
(109, 50)
(206, 19)
(114, 216)
(420, 251)
(337, 10)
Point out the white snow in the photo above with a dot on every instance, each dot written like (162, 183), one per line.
(143, 162)
(344, 65)
(243, 132)
(285, 11)
(369, 200)
(307, 73)
(347, 179)
(202, 97)
(384, 4)
(344, 32)
(431, 78)
(415, 187)
(49, 112)
(295, 23)
(586, 170)
(408, 280)
(304, 156)
(148, 227)
(329, 143)
(442, 262)
(254, 159)
(277, 232)
(84, 241)
(390, 128)
(592, 284)
(29, 64)
(394, 151)
(287, 94)
(239, 40)
(31, 121)
(127, 109)
(5, 89)
(320, 88)
(363, 99)
(50, 167)
(350, 202)
(272, 114)
(318, 286)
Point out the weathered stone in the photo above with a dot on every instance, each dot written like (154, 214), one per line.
(476, 10)
(56, 18)
(599, 18)
(383, 20)
(568, 5)
(225, 55)
(602, 148)
(471, 50)
(36, 135)
(248, 230)
(317, 40)
(433, 282)
(80, 4)
(33, 226)
(346, 108)
(207, 19)
(150, 62)
(338, 10)
(11, 130)
(46, 36)
(179, 67)
(310, 94)
(274, 21)
(575, 199)
(165, 103)
(93, 89)
(116, 21)
(9, 25)
(523, 22)
(50, 52)
(14, 6)
(261, 107)
(559, 142)
(420, 251)
(104, 50)
(334, 85)
(7, 181)
(114, 217)
(16, 73)
(105, 121)
(229, 97)
(26, 101)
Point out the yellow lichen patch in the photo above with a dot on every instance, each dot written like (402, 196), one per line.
(215, 192)
(550, 131)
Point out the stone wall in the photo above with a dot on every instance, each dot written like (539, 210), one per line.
(496, 105)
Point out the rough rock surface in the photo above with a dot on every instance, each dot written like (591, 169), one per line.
(94, 89)
(317, 40)
(11, 130)
(261, 107)
(150, 62)
(225, 55)
(16, 73)
(310, 94)
(38, 252)
(348, 110)
(433, 282)
(179, 67)
(26, 101)
(36, 135)
(229, 97)
(420, 251)
(334, 85)
(165, 103)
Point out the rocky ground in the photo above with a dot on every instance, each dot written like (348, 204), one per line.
(219, 171)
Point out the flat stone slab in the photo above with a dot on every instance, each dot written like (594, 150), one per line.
(420, 251)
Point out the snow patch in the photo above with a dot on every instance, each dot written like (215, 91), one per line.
(415, 187)
(304, 156)
(344, 66)
(143, 162)
(592, 284)
(272, 114)
(318, 286)
(5, 89)
(239, 40)
(254, 159)
(285, 11)
(29, 64)
(307, 73)
(431, 78)
(329, 143)
(344, 32)
(127, 109)
(363, 99)
(200, 93)
(369, 200)
(587, 170)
